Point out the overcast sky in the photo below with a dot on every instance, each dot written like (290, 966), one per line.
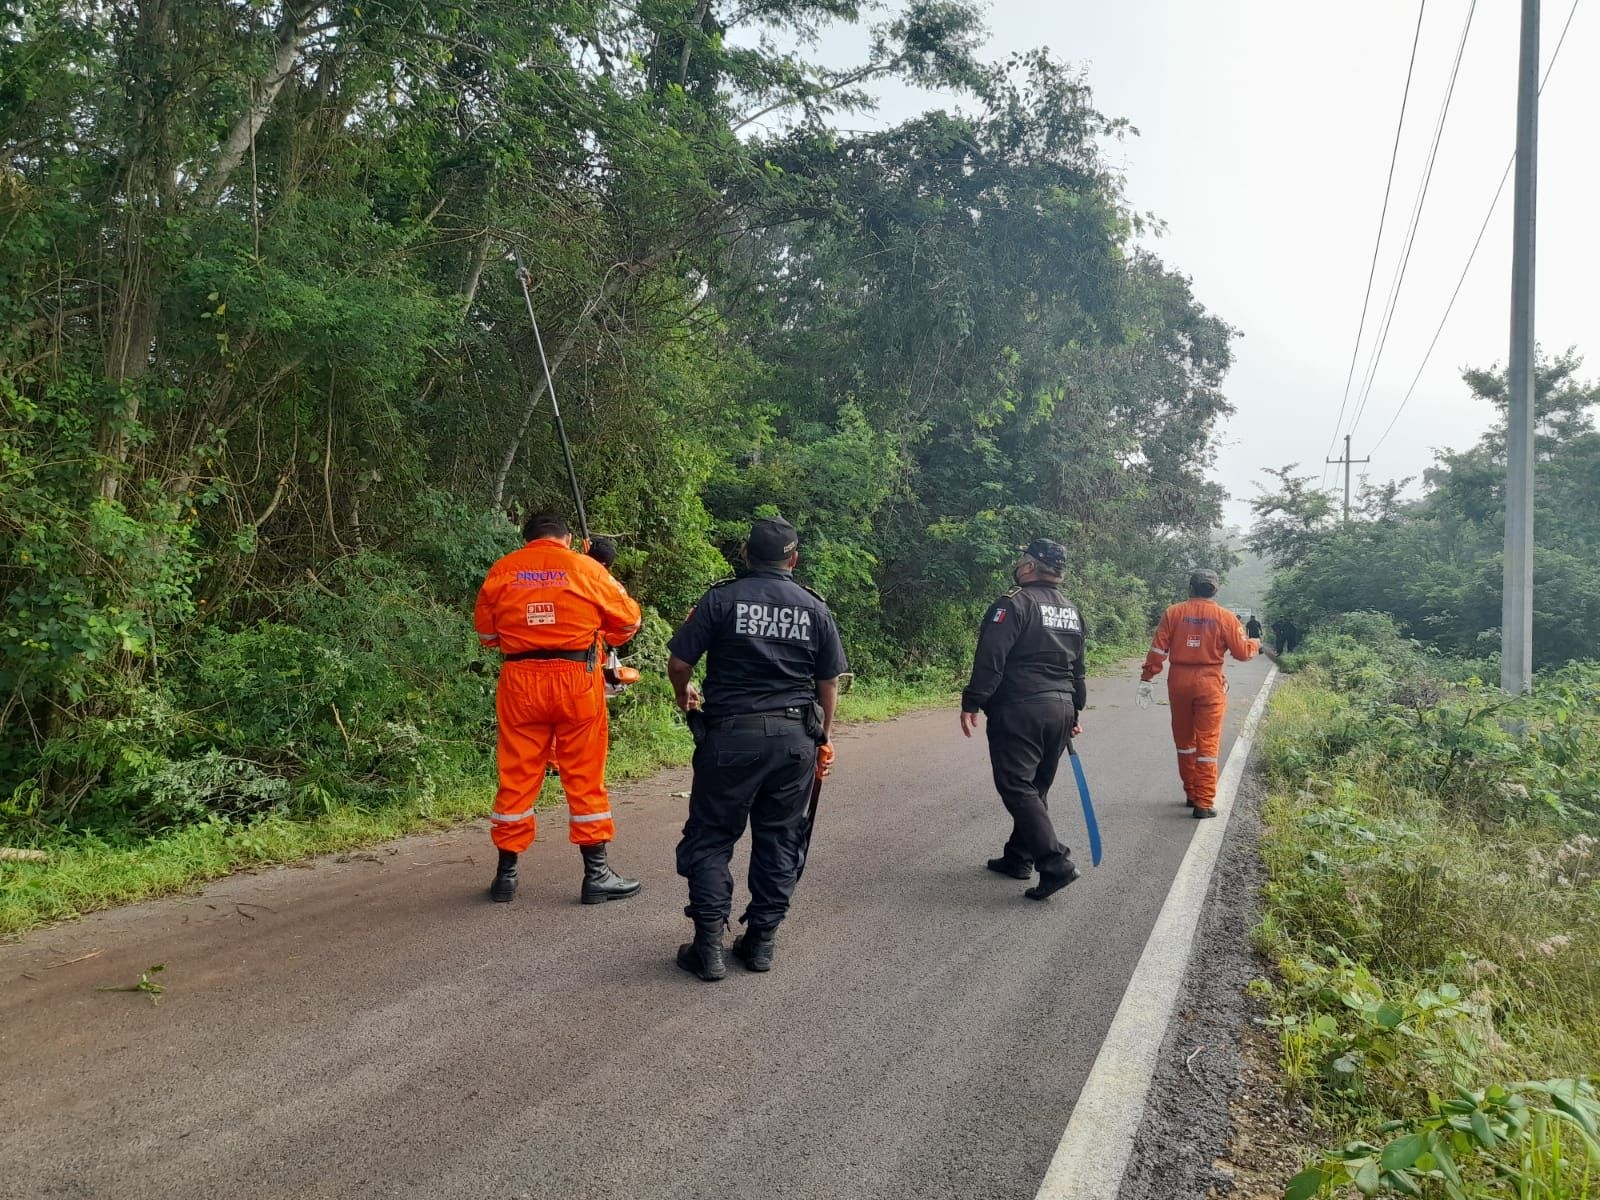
(1265, 136)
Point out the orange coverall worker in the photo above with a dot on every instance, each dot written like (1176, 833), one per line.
(547, 608)
(1193, 637)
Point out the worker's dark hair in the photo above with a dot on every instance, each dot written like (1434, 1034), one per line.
(543, 525)
(604, 551)
(764, 564)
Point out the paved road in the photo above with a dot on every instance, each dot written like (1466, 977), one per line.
(375, 1028)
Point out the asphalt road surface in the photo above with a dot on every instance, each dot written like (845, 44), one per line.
(375, 1027)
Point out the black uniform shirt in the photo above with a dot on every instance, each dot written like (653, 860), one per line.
(1031, 644)
(767, 640)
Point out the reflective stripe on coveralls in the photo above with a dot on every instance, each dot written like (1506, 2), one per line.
(547, 597)
(1198, 703)
(1196, 636)
(540, 703)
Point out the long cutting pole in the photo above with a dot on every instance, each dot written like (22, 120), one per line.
(555, 408)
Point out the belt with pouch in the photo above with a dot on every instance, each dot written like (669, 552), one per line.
(756, 720)
(586, 657)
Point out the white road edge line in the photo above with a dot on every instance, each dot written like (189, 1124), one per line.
(1093, 1155)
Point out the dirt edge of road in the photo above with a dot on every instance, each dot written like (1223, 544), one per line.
(1216, 1121)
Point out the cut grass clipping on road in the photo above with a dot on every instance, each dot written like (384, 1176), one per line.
(84, 874)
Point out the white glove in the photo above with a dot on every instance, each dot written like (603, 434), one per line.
(1146, 695)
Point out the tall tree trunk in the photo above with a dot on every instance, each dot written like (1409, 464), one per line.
(291, 37)
(503, 474)
(146, 184)
(614, 280)
(480, 257)
(696, 25)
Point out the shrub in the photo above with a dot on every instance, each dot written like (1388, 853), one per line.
(1433, 905)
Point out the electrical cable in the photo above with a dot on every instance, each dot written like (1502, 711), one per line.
(1477, 242)
(1383, 216)
(1416, 220)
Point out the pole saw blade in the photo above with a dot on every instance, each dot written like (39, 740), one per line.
(1088, 808)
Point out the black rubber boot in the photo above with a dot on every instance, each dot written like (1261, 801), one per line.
(1012, 868)
(704, 957)
(753, 948)
(1202, 814)
(505, 879)
(600, 882)
(1052, 878)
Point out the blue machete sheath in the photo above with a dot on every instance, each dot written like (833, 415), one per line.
(1088, 808)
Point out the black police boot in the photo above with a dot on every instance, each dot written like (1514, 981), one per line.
(1013, 868)
(1052, 878)
(600, 882)
(704, 957)
(505, 879)
(753, 948)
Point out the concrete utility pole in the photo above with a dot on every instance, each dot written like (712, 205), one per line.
(1347, 462)
(1516, 608)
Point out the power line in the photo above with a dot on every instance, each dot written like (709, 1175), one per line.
(1482, 229)
(1416, 221)
(1383, 216)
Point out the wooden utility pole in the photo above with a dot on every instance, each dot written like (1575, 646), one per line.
(1347, 462)
(1516, 605)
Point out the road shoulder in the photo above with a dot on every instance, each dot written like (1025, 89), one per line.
(1216, 1122)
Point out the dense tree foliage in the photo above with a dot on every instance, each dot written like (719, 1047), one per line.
(268, 392)
(1435, 564)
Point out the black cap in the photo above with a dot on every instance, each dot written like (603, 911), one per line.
(1052, 556)
(772, 539)
(1204, 583)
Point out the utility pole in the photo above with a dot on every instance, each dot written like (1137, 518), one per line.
(1516, 606)
(1347, 462)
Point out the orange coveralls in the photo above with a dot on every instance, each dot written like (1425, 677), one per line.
(1194, 636)
(546, 597)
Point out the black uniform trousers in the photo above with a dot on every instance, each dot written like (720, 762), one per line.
(757, 769)
(1026, 742)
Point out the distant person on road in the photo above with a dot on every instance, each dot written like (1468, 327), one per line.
(773, 662)
(1252, 628)
(1285, 637)
(1028, 678)
(549, 610)
(1195, 636)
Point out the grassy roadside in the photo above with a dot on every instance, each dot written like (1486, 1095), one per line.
(1433, 911)
(88, 874)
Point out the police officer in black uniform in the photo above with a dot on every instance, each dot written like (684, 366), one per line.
(773, 661)
(1028, 678)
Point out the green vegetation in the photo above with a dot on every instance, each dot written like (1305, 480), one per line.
(1433, 908)
(270, 404)
(1434, 845)
(93, 871)
(1435, 564)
